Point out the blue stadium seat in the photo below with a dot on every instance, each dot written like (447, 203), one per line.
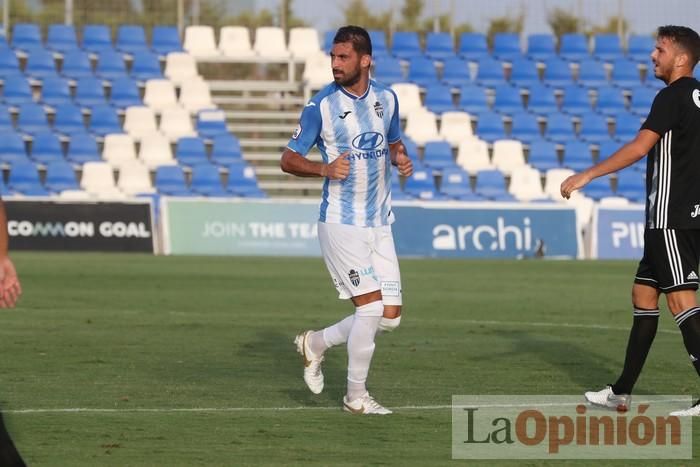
(642, 97)
(379, 48)
(577, 155)
(506, 46)
(26, 36)
(542, 100)
(5, 119)
(46, 147)
(55, 91)
(473, 99)
(610, 101)
(110, 65)
(411, 147)
(211, 123)
(12, 147)
(191, 151)
(421, 184)
(170, 181)
(24, 179)
(61, 38)
(439, 46)
(421, 71)
(543, 155)
(226, 149)
(491, 184)
(540, 47)
(32, 118)
(397, 192)
(165, 39)
(631, 185)
(594, 127)
(607, 47)
(490, 127)
(146, 66)
(68, 119)
(625, 73)
(557, 73)
(9, 65)
(76, 65)
(40, 63)
(96, 38)
(573, 47)
(60, 176)
(455, 184)
(438, 98)
(607, 149)
(328, 37)
(559, 128)
(206, 181)
(524, 73)
(490, 72)
(576, 100)
(82, 148)
(455, 72)
(591, 73)
(104, 120)
(627, 126)
(131, 38)
(639, 47)
(16, 90)
(473, 46)
(242, 181)
(507, 99)
(125, 93)
(438, 155)
(405, 45)
(525, 127)
(388, 70)
(89, 91)
(598, 188)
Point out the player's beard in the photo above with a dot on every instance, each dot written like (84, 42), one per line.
(348, 80)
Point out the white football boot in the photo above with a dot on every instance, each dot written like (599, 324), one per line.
(606, 398)
(313, 376)
(364, 405)
(693, 411)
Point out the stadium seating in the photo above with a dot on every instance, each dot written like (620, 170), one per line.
(9, 65)
(200, 42)
(61, 38)
(631, 185)
(439, 46)
(165, 39)
(455, 72)
(234, 41)
(598, 188)
(131, 39)
(82, 148)
(557, 73)
(160, 95)
(16, 90)
(24, 180)
(12, 148)
(610, 101)
(180, 67)
(421, 184)
(55, 91)
(195, 96)
(206, 181)
(421, 127)
(455, 184)
(270, 44)
(506, 46)
(242, 181)
(438, 155)
(408, 95)
(68, 119)
(118, 149)
(553, 180)
(170, 180)
(639, 48)
(642, 97)
(490, 72)
(191, 151)
(526, 184)
(104, 120)
(627, 126)
(507, 99)
(421, 71)
(524, 72)
(40, 64)
(489, 127)
(97, 37)
(5, 118)
(625, 73)
(46, 148)
(226, 149)
(591, 73)
(540, 46)
(543, 155)
(491, 184)
(576, 100)
(26, 36)
(438, 98)
(60, 176)
(303, 42)
(379, 47)
(508, 155)
(525, 127)
(573, 47)
(559, 128)
(176, 123)
(473, 99)
(125, 93)
(211, 122)
(406, 45)
(145, 66)
(317, 72)
(473, 46)
(541, 100)
(89, 92)
(455, 127)
(134, 179)
(98, 180)
(76, 65)
(388, 70)
(32, 118)
(155, 151)
(607, 47)
(594, 128)
(577, 155)
(473, 155)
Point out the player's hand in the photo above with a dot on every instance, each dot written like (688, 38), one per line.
(339, 169)
(403, 162)
(574, 183)
(10, 288)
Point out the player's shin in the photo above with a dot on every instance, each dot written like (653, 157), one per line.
(689, 323)
(644, 325)
(361, 346)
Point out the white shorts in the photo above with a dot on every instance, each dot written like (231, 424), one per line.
(361, 260)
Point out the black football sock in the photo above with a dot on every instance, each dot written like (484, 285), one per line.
(642, 335)
(689, 323)
(8, 453)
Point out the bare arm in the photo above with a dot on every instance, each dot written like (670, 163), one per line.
(623, 157)
(294, 163)
(10, 288)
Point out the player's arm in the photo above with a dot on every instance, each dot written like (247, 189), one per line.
(294, 163)
(623, 157)
(400, 158)
(10, 288)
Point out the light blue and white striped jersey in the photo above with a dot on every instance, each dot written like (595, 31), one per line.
(337, 121)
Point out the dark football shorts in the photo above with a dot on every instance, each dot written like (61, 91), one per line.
(670, 260)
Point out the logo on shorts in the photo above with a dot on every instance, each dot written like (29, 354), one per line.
(354, 277)
(692, 276)
(696, 211)
(378, 109)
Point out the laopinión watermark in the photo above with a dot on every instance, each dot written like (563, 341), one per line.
(565, 427)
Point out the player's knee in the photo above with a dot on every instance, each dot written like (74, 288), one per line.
(389, 324)
(370, 309)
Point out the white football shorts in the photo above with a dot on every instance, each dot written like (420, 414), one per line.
(361, 260)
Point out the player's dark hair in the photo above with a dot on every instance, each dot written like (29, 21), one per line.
(686, 38)
(358, 36)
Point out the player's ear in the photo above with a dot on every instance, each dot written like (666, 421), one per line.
(366, 61)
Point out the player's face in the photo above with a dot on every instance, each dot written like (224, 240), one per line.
(346, 64)
(664, 58)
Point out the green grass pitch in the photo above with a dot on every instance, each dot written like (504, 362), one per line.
(183, 361)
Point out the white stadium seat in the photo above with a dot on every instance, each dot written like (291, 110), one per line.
(139, 120)
(303, 42)
(155, 150)
(160, 95)
(507, 155)
(135, 179)
(552, 182)
(270, 44)
(408, 95)
(234, 41)
(118, 149)
(200, 41)
(455, 127)
(176, 123)
(98, 180)
(317, 71)
(473, 155)
(421, 127)
(195, 96)
(526, 183)
(180, 67)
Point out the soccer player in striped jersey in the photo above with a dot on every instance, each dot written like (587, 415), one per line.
(671, 138)
(354, 122)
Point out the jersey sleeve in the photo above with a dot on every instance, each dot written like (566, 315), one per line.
(395, 125)
(307, 131)
(663, 114)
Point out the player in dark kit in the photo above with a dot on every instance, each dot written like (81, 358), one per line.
(671, 137)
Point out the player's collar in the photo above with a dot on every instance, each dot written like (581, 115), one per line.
(353, 96)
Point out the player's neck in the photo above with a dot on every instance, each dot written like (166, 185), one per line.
(681, 73)
(358, 89)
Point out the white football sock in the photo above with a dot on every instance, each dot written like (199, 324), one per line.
(361, 346)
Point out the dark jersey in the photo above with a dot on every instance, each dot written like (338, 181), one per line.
(673, 165)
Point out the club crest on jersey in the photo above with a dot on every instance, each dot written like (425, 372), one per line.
(696, 97)
(297, 132)
(354, 277)
(379, 109)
